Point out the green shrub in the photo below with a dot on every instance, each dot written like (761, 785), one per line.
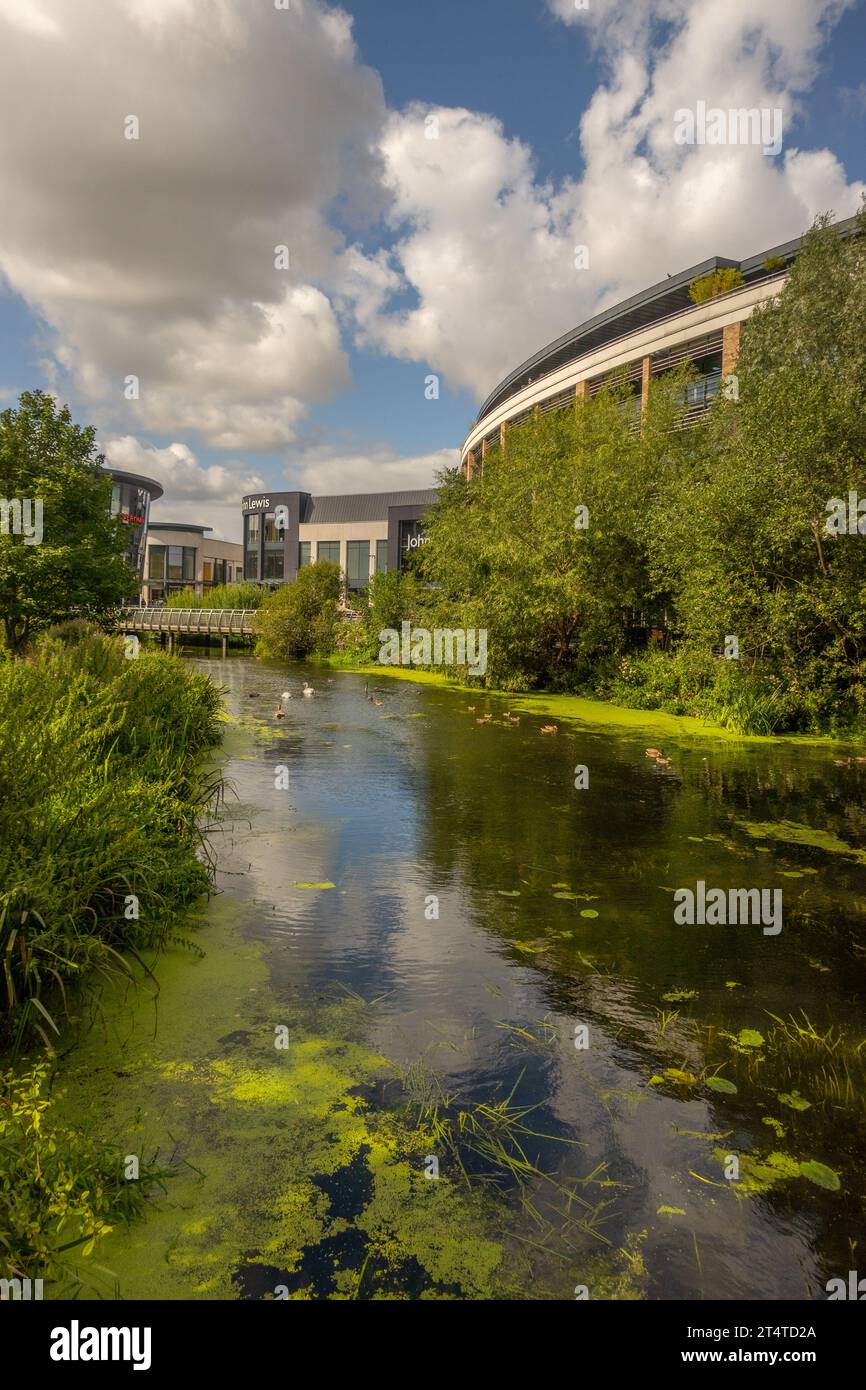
(718, 282)
(300, 619)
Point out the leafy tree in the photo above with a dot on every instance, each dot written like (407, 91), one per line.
(742, 530)
(78, 569)
(301, 618)
(512, 551)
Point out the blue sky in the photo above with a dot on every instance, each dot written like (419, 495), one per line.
(409, 256)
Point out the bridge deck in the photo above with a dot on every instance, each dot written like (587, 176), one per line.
(217, 622)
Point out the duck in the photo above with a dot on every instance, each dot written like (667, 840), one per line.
(550, 729)
(279, 714)
(308, 689)
(512, 718)
(378, 704)
(286, 695)
(654, 753)
(470, 709)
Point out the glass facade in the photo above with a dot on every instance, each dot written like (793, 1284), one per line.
(131, 503)
(169, 568)
(275, 560)
(304, 557)
(252, 536)
(358, 564)
(328, 550)
(381, 557)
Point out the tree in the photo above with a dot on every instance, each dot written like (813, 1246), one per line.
(301, 618)
(77, 568)
(743, 531)
(545, 549)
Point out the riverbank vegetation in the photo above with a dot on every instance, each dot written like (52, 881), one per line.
(103, 794)
(236, 596)
(700, 570)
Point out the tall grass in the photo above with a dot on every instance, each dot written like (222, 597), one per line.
(100, 798)
(243, 595)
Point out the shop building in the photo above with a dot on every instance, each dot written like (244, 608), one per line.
(364, 533)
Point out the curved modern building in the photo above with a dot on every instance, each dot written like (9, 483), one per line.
(639, 339)
(131, 496)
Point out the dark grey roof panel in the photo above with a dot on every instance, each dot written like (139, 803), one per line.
(362, 506)
(650, 306)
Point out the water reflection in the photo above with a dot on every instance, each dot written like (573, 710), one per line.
(555, 910)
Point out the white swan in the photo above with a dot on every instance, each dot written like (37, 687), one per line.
(308, 689)
(286, 695)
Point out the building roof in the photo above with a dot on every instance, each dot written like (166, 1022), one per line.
(650, 306)
(120, 476)
(178, 526)
(362, 506)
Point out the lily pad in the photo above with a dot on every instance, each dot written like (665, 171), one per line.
(795, 1101)
(315, 885)
(671, 1211)
(750, 1037)
(722, 1084)
(589, 912)
(820, 1175)
(568, 897)
(508, 892)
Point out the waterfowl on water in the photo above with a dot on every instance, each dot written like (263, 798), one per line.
(287, 695)
(550, 729)
(654, 753)
(279, 714)
(308, 689)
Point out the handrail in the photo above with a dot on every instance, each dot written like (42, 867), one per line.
(236, 622)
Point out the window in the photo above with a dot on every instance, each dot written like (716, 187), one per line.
(381, 557)
(303, 554)
(328, 550)
(156, 562)
(274, 564)
(207, 571)
(252, 536)
(181, 563)
(358, 564)
(273, 536)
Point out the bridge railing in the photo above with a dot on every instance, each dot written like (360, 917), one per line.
(221, 622)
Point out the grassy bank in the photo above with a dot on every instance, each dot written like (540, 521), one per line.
(100, 846)
(575, 708)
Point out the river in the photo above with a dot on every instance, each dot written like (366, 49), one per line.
(420, 916)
